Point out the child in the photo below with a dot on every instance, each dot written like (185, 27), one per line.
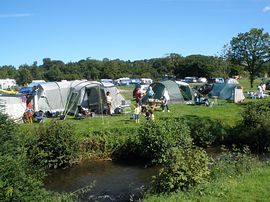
(137, 112)
(164, 104)
(149, 114)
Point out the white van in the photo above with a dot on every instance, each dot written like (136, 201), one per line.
(146, 81)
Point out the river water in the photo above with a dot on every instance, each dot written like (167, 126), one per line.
(113, 181)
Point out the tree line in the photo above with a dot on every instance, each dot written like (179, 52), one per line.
(247, 54)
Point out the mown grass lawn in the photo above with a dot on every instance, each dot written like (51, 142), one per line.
(228, 113)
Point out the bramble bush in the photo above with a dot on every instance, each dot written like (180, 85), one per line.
(157, 138)
(184, 168)
(55, 145)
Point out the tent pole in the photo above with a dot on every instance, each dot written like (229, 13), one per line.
(101, 105)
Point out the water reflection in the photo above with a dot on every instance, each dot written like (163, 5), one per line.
(113, 181)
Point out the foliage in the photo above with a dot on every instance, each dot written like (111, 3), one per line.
(249, 186)
(205, 131)
(8, 135)
(55, 145)
(254, 131)
(183, 169)
(91, 69)
(19, 181)
(157, 138)
(251, 50)
(233, 163)
(111, 143)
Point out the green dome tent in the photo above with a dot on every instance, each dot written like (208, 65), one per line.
(179, 92)
(227, 91)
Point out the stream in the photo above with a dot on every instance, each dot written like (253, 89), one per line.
(112, 181)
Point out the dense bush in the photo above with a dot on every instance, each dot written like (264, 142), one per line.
(184, 168)
(55, 145)
(157, 138)
(8, 135)
(254, 131)
(205, 131)
(19, 181)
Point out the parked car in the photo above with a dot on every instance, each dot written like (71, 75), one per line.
(202, 80)
(216, 80)
(191, 79)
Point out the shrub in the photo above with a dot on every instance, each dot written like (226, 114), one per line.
(205, 131)
(254, 131)
(256, 114)
(8, 135)
(157, 138)
(19, 181)
(184, 168)
(55, 145)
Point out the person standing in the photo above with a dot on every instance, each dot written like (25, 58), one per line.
(138, 96)
(150, 92)
(137, 112)
(109, 103)
(165, 100)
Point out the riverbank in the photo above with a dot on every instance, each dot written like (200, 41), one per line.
(250, 186)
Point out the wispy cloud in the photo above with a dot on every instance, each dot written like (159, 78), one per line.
(15, 15)
(266, 9)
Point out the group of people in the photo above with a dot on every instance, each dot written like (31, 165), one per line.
(148, 112)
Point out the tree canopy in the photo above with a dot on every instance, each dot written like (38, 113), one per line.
(251, 50)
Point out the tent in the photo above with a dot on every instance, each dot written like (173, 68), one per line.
(227, 91)
(92, 95)
(87, 94)
(66, 96)
(179, 92)
(13, 105)
(51, 96)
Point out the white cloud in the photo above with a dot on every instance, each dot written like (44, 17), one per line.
(15, 15)
(266, 9)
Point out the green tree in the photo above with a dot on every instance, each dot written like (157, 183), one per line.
(251, 50)
(24, 76)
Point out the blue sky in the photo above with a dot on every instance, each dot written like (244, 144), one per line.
(71, 30)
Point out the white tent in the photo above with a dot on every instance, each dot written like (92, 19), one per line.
(52, 96)
(13, 105)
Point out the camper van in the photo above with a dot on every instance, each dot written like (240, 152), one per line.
(146, 81)
(125, 81)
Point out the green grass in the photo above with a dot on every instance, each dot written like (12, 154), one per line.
(246, 84)
(251, 186)
(228, 113)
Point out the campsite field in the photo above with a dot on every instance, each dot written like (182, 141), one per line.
(228, 113)
(250, 186)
